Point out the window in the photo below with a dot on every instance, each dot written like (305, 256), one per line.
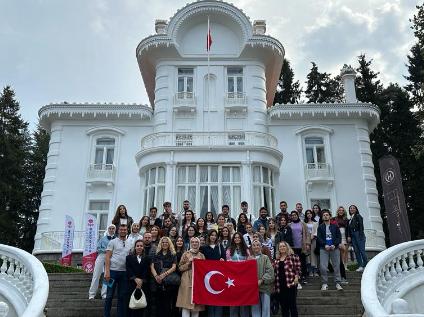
(100, 209)
(315, 152)
(154, 187)
(235, 81)
(323, 203)
(185, 83)
(208, 187)
(104, 153)
(263, 189)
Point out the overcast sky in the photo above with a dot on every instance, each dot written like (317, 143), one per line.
(84, 51)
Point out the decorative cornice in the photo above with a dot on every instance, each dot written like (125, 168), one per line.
(266, 41)
(315, 128)
(91, 111)
(157, 40)
(366, 111)
(103, 129)
(210, 6)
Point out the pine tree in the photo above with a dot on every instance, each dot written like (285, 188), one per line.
(322, 88)
(397, 134)
(416, 62)
(14, 149)
(288, 90)
(37, 161)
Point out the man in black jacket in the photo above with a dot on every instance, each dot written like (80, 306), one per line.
(329, 239)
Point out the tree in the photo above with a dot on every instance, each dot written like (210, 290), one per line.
(288, 90)
(398, 134)
(14, 149)
(416, 62)
(37, 161)
(322, 88)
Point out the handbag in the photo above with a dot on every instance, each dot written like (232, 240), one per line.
(138, 299)
(172, 279)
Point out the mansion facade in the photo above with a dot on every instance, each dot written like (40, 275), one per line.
(211, 134)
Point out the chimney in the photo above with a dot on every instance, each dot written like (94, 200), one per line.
(348, 76)
(259, 27)
(160, 26)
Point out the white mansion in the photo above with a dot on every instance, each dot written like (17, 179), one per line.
(211, 134)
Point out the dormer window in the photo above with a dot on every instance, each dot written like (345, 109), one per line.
(185, 83)
(235, 81)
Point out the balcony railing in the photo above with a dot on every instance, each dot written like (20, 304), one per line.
(185, 101)
(52, 241)
(101, 173)
(24, 284)
(394, 279)
(236, 101)
(318, 170)
(208, 139)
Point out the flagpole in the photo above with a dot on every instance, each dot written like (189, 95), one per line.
(208, 48)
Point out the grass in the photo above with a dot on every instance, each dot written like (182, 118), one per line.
(57, 268)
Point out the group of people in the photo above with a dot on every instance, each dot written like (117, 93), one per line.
(156, 255)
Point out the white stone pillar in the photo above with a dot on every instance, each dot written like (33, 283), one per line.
(49, 184)
(170, 186)
(246, 183)
(373, 223)
(348, 76)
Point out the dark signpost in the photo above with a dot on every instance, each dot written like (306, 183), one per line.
(394, 200)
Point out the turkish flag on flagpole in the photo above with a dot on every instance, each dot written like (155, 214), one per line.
(225, 283)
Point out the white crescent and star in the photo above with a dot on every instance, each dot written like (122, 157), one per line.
(208, 276)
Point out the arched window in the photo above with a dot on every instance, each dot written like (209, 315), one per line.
(104, 153)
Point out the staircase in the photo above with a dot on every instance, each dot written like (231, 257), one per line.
(69, 297)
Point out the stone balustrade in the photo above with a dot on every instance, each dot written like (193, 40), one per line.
(208, 139)
(52, 241)
(24, 284)
(393, 276)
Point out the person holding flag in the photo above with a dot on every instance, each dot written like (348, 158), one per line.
(184, 299)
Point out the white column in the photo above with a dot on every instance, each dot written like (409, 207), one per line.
(170, 185)
(246, 182)
(348, 75)
(372, 217)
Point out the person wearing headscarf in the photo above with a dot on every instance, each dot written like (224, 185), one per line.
(184, 299)
(134, 235)
(100, 262)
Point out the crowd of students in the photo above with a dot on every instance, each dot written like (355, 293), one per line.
(156, 255)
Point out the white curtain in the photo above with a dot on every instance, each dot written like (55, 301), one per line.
(236, 198)
(226, 174)
(181, 172)
(161, 175)
(257, 201)
(152, 178)
(236, 174)
(191, 175)
(192, 196)
(203, 200)
(160, 196)
(214, 174)
(214, 200)
(180, 197)
(257, 174)
(203, 174)
(226, 195)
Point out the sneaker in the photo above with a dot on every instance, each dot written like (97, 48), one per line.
(316, 274)
(344, 281)
(339, 287)
(91, 297)
(360, 269)
(299, 286)
(324, 287)
(311, 274)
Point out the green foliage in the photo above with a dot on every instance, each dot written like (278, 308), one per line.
(416, 62)
(398, 134)
(288, 90)
(322, 88)
(22, 164)
(57, 268)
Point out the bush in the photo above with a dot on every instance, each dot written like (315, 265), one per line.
(57, 268)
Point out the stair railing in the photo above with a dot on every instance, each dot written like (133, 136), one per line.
(24, 284)
(391, 277)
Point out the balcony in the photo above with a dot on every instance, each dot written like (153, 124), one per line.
(184, 102)
(318, 173)
(101, 174)
(235, 102)
(208, 140)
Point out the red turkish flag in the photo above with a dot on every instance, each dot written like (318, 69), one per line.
(225, 283)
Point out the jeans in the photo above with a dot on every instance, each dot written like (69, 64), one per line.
(214, 311)
(263, 308)
(121, 283)
(358, 244)
(243, 310)
(324, 256)
(97, 272)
